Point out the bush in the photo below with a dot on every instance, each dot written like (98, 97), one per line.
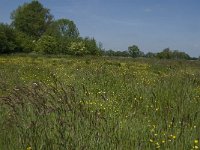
(26, 43)
(47, 45)
(64, 45)
(8, 42)
(78, 48)
(91, 46)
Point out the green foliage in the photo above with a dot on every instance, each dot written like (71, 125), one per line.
(64, 45)
(47, 45)
(169, 54)
(65, 32)
(134, 51)
(110, 52)
(32, 21)
(91, 46)
(150, 55)
(180, 55)
(8, 43)
(166, 53)
(122, 53)
(78, 48)
(63, 28)
(31, 18)
(115, 53)
(26, 43)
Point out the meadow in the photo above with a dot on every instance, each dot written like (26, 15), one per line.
(51, 103)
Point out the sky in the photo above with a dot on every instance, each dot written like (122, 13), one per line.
(152, 25)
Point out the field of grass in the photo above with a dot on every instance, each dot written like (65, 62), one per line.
(98, 103)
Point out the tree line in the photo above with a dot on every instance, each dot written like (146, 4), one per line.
(34, 29)
(134, 51)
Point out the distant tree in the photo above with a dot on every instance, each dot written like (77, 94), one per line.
(8, 43)
(141, 54)
(31, 18)
(121, 53)
(166, 53)
(125, 54)
(180, 55)
(110, 52)
(115, 53)
(134, 51)
(66, 32)
(102, 52)
(63, 28)
(91, 46)
(172, 54)
(193, 58)
(100, 46)
(150, 55)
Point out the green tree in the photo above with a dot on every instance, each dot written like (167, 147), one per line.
(31, 18)
(110, 52)
(166, 54)
(180, 55)
(63, 28)
(91, 46)
(172, 54)
(47, 45)
(150, 55)
(8, 43)
(134, 51)
(66, 32)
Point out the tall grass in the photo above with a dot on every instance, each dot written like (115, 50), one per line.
(101, 103)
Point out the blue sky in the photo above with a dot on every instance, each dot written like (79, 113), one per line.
(151, 24)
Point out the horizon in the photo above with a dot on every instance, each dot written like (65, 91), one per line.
(152, 26)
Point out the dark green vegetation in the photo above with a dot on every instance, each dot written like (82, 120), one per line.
(98, 103)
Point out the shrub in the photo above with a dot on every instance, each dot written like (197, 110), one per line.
(25, 42)
(8, 42)
(78, 48)
(47, 45)
(91, 46)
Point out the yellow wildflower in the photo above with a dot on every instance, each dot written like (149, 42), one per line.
(151, 140)
(158, 146)
(163, 141)
(196, 141)
(29, 148)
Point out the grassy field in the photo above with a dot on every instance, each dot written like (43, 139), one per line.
(98, 103)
